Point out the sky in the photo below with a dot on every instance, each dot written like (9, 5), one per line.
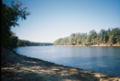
(53, 19)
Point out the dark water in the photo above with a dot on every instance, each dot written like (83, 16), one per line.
(97, 59)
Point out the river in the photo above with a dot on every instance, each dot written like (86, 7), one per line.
(97, 59)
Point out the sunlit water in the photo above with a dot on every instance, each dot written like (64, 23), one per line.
(97, 59)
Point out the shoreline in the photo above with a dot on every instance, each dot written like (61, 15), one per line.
(17, 67)
(95, 45)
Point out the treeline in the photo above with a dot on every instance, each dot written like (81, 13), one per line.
(29, 43)
(110, 36)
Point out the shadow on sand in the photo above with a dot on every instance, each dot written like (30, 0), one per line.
(21, 68)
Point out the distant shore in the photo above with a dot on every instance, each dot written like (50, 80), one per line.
(17, 67)
(95, 45)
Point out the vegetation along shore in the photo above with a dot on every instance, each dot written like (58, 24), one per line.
(110, 37)
(95, 45)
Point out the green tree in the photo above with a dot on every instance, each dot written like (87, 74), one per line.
(9, 17)
(92, 36)
(115, 35)
(110, 36)
(73, 40)
(103, 36)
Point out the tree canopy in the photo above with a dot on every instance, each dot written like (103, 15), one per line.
(10, 14)
(110, 36)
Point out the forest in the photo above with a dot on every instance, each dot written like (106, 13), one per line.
(109, 36)
(30, 43)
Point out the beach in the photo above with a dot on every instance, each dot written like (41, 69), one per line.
(17, 67)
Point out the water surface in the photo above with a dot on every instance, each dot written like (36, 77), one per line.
(97, 59)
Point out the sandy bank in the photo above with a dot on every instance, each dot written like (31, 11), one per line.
(94, 45)
(21, 68)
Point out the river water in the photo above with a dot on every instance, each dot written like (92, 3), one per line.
(97, 59)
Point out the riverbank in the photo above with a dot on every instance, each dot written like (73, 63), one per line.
(17, 67)
(95, 45)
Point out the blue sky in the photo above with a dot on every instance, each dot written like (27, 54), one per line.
(53, 19)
